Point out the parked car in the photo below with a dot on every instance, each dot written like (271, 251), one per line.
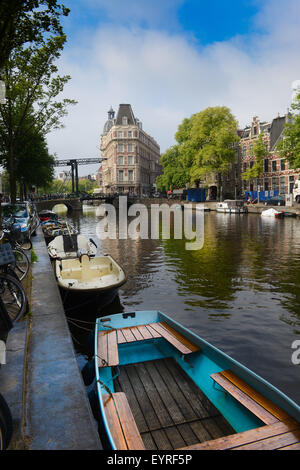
(23, 218)
(275, 201)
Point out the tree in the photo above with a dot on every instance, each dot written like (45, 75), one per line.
(206, 145)
(31, 104)
(26, 21)
(175, 173)
(260, 152)
(289, 145)
(213, 137)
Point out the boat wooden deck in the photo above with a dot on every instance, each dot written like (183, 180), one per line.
(156, 405)
(169, 409)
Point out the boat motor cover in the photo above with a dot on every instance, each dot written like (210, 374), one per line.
(70, 243)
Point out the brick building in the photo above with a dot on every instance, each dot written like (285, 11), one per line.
(131, 157)
(276, 175)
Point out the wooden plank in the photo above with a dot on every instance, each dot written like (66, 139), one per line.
(114, 423)
(128, 335)
(144, 332)
(244, 399)
(142, 398)
(120, 336)
(273, 443)
(180, 337)
(122, 383)
(112, 348)
(190, 399)
(152, 331)
(256, 396)
(169, 337)
(134, 330)
(128, 424)
(291, 447)
(102, 348)
(163, 389)
(246, 437)
(160, 409)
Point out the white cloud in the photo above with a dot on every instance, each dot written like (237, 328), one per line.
(166, 78)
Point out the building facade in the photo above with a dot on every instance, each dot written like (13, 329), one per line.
(276, 176)
(130, 156)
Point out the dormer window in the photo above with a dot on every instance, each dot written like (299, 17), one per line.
(254, 130)
(124, 120)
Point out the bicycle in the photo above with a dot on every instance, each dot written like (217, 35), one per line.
(11, 290)
(12, 235)
(21, 262)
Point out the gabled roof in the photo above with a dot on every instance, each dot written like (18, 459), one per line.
(276, 130)
(125, 111)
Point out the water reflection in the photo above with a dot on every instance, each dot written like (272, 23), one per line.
(241, 291)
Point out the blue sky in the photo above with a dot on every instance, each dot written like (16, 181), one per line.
(173, 58)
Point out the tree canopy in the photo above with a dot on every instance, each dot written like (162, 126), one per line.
(27, 21)
(260, 152)
(289, 146)
(32, 87)
(205, 146)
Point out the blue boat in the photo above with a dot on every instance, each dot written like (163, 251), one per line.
(160, 386)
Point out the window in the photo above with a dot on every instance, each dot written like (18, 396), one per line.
(267, 146)
(120, 148)
(121, 175)
(130, 175)
(124, 120)
(254, 130)
(273, 165)
(130, 160)
(266, 184)
(129, 134)
(274, 183)
(120, 160)
(282, 185)
(244, 151)
(251, 164)
(282, 165)
(244, 167)
(120, 134)
(130, 148)
(266, 165)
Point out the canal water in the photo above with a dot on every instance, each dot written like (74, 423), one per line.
(240, 292)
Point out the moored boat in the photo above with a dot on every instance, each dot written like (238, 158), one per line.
(160, 386)
(90, 275)
(232, 206)
(71, 246)
(273, 213)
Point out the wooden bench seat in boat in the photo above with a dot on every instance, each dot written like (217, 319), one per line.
(121, 422)
(259, 405)
(108, 340)
(280, 430)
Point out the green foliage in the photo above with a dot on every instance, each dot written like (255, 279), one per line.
(27, 21)
(31, 111)
(289, 146)
(205, 145)
(260, 152)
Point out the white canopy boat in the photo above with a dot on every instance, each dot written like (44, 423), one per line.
(71, 246)
(232, 206)
(89, 275)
